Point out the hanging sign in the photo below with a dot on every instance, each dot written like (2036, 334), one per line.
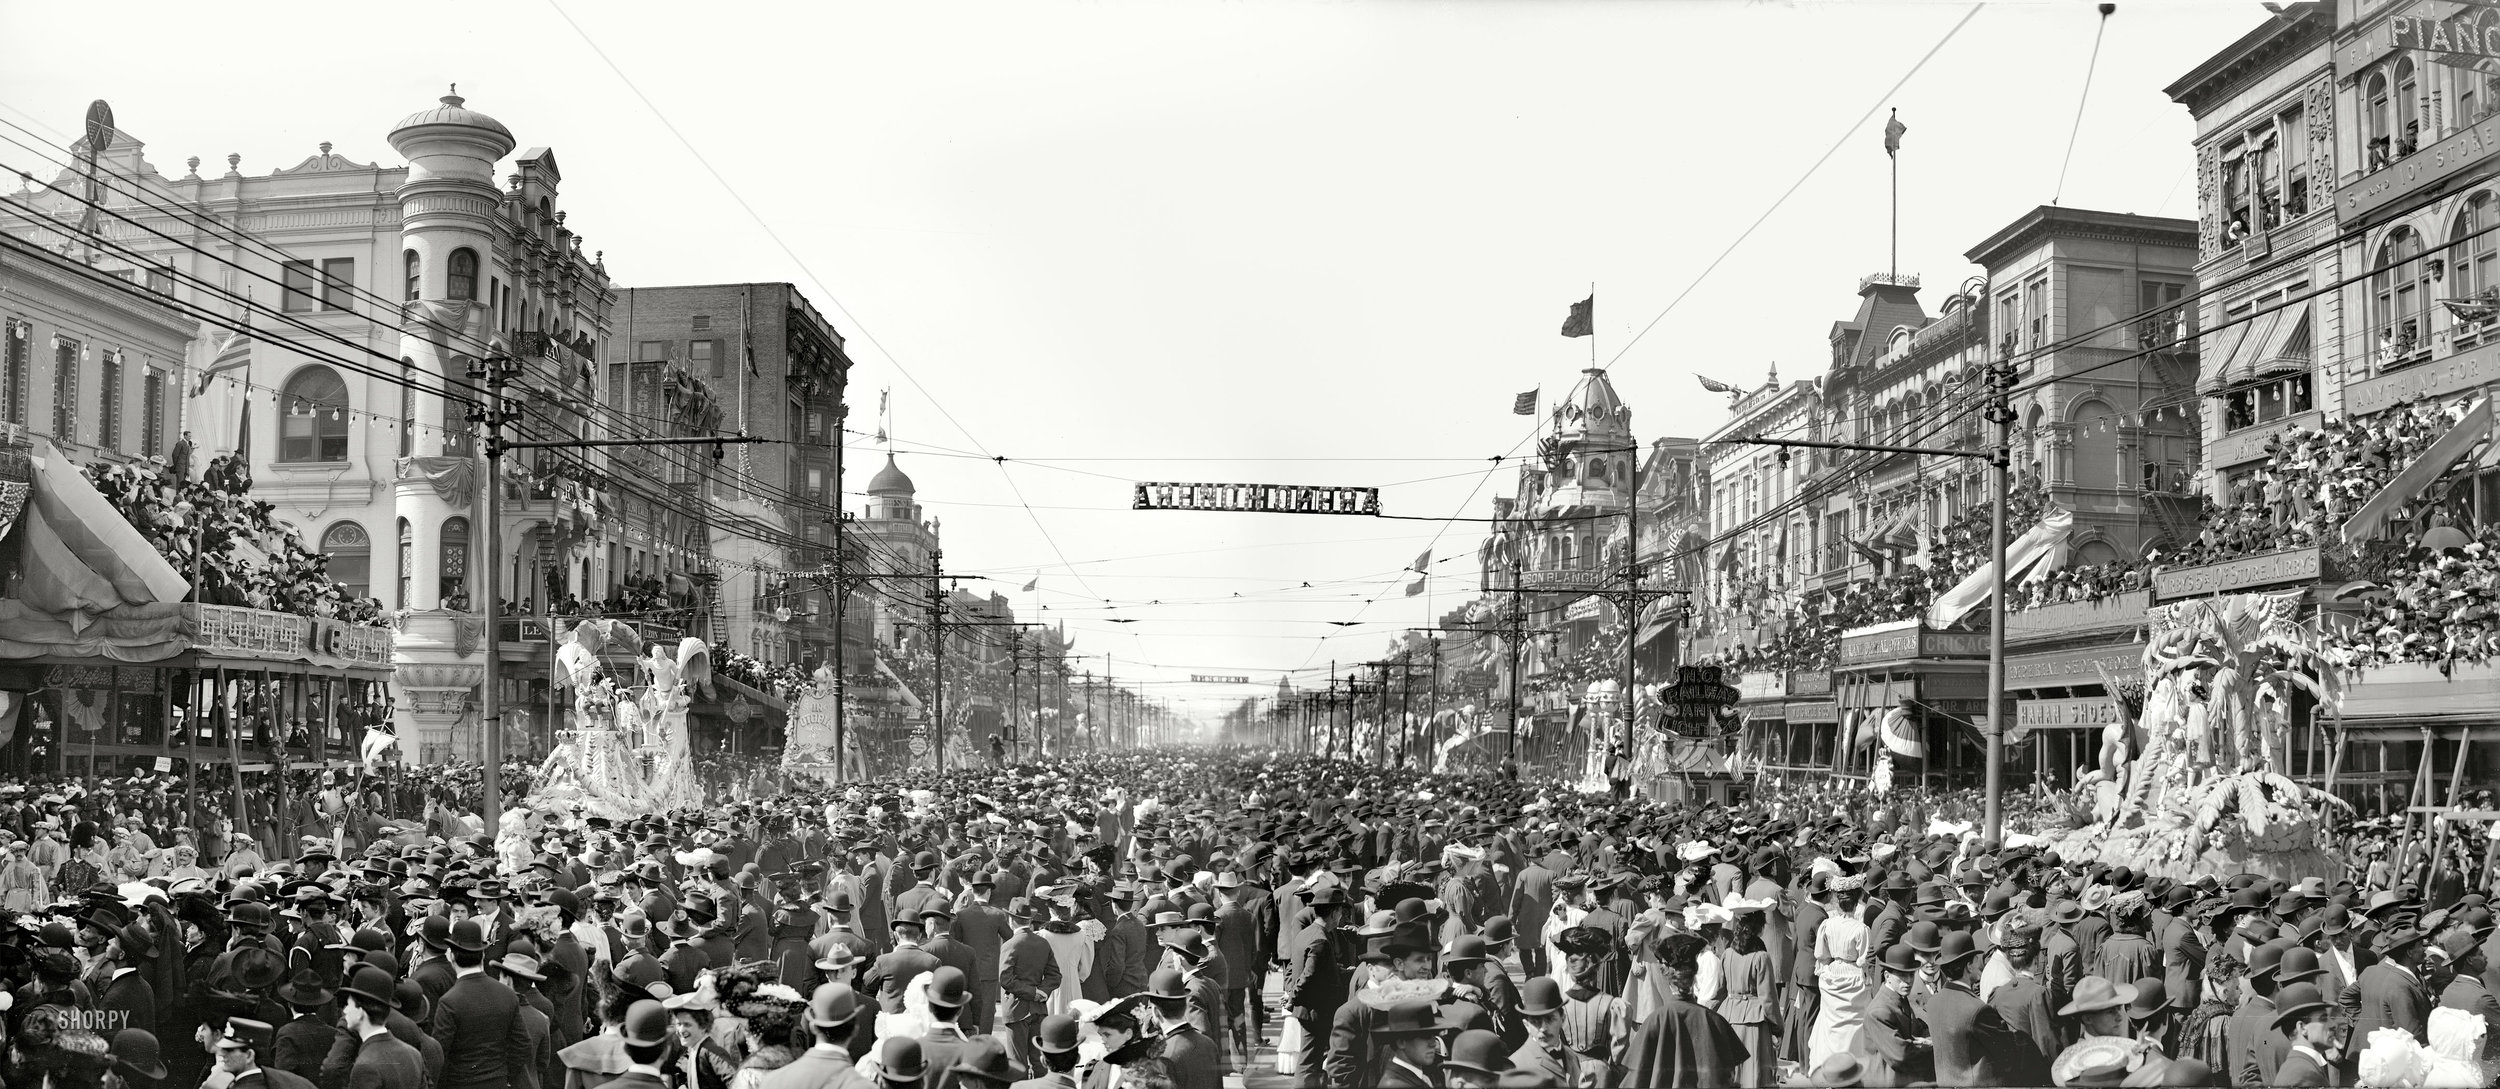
(1212, 678)
(1258, 498)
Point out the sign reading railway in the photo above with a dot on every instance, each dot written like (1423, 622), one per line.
(1258, 498)
(1215, 678)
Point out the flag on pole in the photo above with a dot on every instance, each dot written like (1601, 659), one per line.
(1714, 385)
(1892, 134)
(1581, 323)
(1030, 584)
(234, 354)
(1420, 561)
(1525, 403)
(1415, 587)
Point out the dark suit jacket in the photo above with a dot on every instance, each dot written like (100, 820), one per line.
(132, 999)
(484, 1040)
(2182, 963)
(2256, 1048)
(385, 1062)
(1028, 972)
(953, 954)
(985, 930)
(1316, 980)
(894, 971)
(2299, 1069)
(1888, 1042)
(435, 977)
(271, 1078)
(2391, 997)
(1193, 1059)
(1974, 1044)
(1396, 1076)
(302, 1045)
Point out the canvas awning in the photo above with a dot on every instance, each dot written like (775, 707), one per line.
(2045, 542)
(2227, 356)
(2285, 350)
(2409, 482)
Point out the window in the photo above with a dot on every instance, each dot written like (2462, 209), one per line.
(407, 407)
(407, 565)
(414, 267)
(651, 351)
(2036, 310)
(494, 299)
(152, 404)
(704, 355)
(2266, 402)
(2477, 260)
(351, 557)
(2165, 321)
(455, 564)
(462, 283)
(14, 349)
(65, 389)
(338, 282)
(2399, 289)
(161, 279)
(312, 417)
(2408, 115)
(108, 415)
(299, 290)
(815, 425)
(703, 323)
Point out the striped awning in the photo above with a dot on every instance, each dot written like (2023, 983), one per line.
(2225, 357)
(2433, 463)
(2285, 349)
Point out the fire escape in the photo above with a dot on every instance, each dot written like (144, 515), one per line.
(2171, 500)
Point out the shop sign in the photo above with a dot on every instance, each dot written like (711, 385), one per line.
(1257, 498)
(2249, 445)
(2125, 610)
(2072, 667)
(2082, 711)
(2270, 569)
(1761, 686)
(1211, 678)
(232, 631)
(1810, 683)
(1908, 643)
(1573, 578)
(2473, 367)
(1813, 711)
(1584, 609)
(2438, 162)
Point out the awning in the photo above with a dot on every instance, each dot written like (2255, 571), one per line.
(2043, 542)
(2284, 351)
(2222, 358)
(2421, 473)
(1900, 534)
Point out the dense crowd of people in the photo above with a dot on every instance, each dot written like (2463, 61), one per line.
(1117, 922)
(234, 548)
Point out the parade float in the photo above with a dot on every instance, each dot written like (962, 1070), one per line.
(627, 753)
(2195, 780)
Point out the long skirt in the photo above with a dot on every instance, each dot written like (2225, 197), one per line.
(1843, 1013)
(1762, 1062)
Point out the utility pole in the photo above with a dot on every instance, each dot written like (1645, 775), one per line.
(2001, 413)
(1518, 633)
(937, 632)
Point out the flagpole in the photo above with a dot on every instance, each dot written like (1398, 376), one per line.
(1894, 154)
(1592, 325)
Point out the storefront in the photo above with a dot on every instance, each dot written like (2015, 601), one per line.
(1939, 677)
(1762, 697)
(2410, 734)
(1812, 741)
(2058, 665)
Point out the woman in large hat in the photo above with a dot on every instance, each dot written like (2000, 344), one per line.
(1839, 956)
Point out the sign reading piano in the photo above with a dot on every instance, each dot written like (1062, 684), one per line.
(1257, 498)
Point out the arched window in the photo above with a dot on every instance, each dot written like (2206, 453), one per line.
(463, 275)
(455, 564)
(2408, 116)
(415, 266)
(407, 563)
(2398, 287)
(312, 417)
(2477, 260)
(351, 557)
(2377, 135)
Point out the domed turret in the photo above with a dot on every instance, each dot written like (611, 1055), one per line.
(453, 112)
(890, 481)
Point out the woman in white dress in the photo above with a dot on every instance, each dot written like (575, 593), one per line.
(1839, 959)
(1071, 944)
(1569, 891)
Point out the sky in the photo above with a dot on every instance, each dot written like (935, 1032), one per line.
(1262, 241)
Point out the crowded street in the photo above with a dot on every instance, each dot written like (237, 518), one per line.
(1202, 544)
